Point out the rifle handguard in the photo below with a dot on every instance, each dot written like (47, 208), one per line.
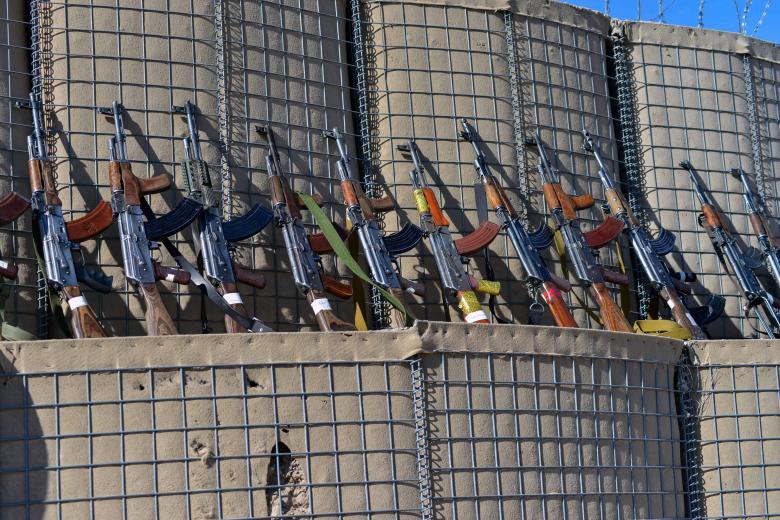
(248, 224)
(336, 288)
(12, 205)
(91, 224)
(613, 277)
(247, 276)
(8, 270)
(478, 239)
(583, 201)
(320, 245)
(179, 218)
(605, 233)
(485, 286)
(562, 283)
(156, 184)
(170, 274)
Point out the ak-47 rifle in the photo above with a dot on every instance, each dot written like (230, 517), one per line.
(127, 193)
(579, 246)
(740, 264)
(58, 239)
(527, 245)
(649, 251)
(379, 250)
(769, 242)
(216, 237)
(12, 205)
(305, 263)
(451, 255)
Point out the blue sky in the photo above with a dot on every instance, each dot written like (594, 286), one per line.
(718, 14)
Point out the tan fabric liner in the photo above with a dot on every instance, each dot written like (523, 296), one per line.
(691, 37)
(553, 12)
(222, 349)
(736, 352)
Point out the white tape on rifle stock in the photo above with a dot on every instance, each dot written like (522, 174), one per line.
(476, 316)
(4, 264)
(320, 304)
(78, 301)
(169, 277)
(233, 298)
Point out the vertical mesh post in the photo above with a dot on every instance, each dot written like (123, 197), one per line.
(421, 438)
(379, 307)
(631, 146)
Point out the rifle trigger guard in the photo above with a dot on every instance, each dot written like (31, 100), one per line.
(541, 237)
(478, 239)
(248, 224)
(91, 224)
(11, 206)
(605, 233)
(404, 240)
(709, 312)
(753, 258)
(663, 243)
(179, 218)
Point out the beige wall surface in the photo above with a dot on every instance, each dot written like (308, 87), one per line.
(182, 427)
(739, 428)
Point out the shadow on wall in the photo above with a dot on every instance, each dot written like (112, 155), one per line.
(24, 478)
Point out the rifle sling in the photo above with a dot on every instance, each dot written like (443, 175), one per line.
(251, 324)
(341, 251)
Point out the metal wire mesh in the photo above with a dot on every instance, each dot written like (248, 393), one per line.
(315, 440)
(537, 436)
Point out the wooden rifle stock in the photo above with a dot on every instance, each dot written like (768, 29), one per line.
(231, 326)
(247, 276)
(611, 314)
(496, 195)
(158, 321)
(680, 314)
(326, 319)
(83, 322)
(170, 274)
(557, 198)
(560, 312)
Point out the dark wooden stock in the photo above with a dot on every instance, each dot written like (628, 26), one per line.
(326, 319)
(680, 315)
(170, 274)
(562, 283)
(231, 326)
(247, 276)
(560, 312)
(91, 224)
(42, 178)
(613, 277)
(611, 314)
(12, 205)
(416, 288)
(382, 204)
(83, 322)
(158, 321)
(320, 245)
(10, 271)
(336, 288)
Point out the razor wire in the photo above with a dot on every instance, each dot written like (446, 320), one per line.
(380, 309)
(633, 159)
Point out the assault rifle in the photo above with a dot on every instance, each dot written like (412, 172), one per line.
(12, 205)
(527, 245)
(215, 237)
(304, 259)
(127, 192)
(579, 246)
(648, 251)
(770, 244)
(451, 255)
(58, 239)
(740, 264)
(361, 210)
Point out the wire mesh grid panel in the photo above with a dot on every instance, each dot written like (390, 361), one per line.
(287, 66)
(692, 106)
(16, 238)
(739, 424)
(564, 88)
(432, 65)
(297, 440)
(538, 436)
(148, 56)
